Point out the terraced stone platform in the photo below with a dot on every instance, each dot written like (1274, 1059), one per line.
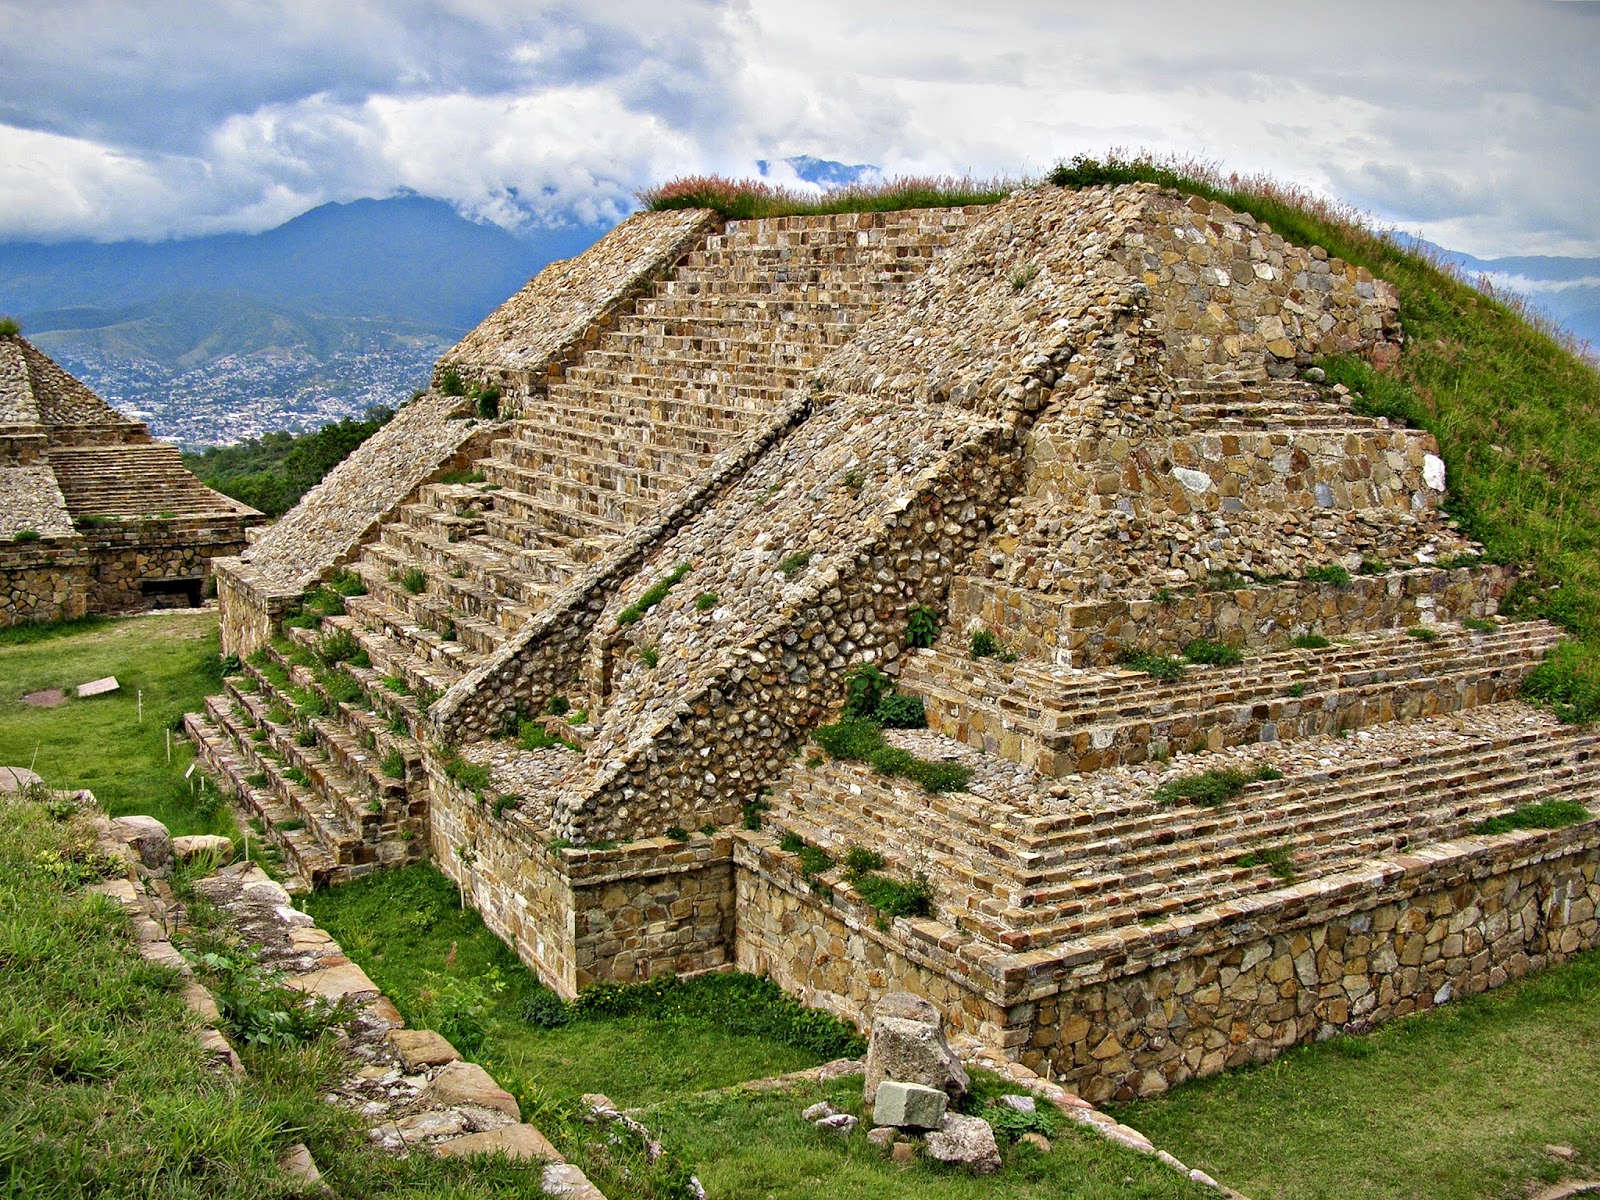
(573, 641)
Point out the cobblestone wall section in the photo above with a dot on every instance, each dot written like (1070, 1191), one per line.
(523, 345)
(1069, 632)
(546, 655)
(1237, 301)
(42, 581)
(30, 499)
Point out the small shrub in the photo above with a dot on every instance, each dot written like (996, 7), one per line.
(558, 706)
(1277, 859)
(9, 327)
(814, 861)
(1546, 814)
(532, 735)
(853, 480)
(652, 596)
(448, 633)
(394, 764)
(339, 646)
(922, 627)
(865, 688)
(677, 833)
(543, 1009)
(1311, 641)
(1422, 634)
(1023, 276)
(940, 776)
(1157, 666)
(895, 711)
(457, 1006)
(791, 843)
(397, 683)
(650, 656)
(306, 737)
(706, 601)
(413, 579)
(450, 383)
(1297, 690)
(26, 535)
(1479, 625)
(985, 644)
(489, 402)
(850, 738)
(473, 777)
(348, 583)
(793, 565)
(1332, 573)
(891, 760)
(895, 898)
(1211, 789)
(1374, 566)
(502, 804)
(1216, 654)
(858, 861)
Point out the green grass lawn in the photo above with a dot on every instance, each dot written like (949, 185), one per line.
(99, 743)
(1455, 1104)
(401, 925)
(104, 1089)
(755, 1146)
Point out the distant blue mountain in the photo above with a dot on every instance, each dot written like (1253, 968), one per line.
(408, 257)
(216, 338)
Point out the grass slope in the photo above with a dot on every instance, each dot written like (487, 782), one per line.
(1455, 1104)
(104, 1090)
(401, 925)
(99, 743)
(752, 1144)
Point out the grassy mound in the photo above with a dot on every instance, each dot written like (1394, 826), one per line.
(745, 199)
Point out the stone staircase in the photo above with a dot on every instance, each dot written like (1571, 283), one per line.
(1396, 728)
(698, 364)
(148, 478)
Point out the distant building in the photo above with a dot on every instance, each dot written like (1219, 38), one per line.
(95, 515)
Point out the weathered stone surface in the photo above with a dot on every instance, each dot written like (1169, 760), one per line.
(843, 1124)
(964, 1142)
(149, 839)
(203, 845)
(336, 983)
(422, 1048)
(903, 1153)
(204, 1005)
(567, 1182)
(911, 1048)
(909, 1105)
(468, 1083)
(817, 1111)
(14, 779)
(298, 1164)
(515, 1141)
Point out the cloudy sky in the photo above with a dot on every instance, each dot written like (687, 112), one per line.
(1473, 122)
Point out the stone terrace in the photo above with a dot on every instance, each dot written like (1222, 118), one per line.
(736, 459)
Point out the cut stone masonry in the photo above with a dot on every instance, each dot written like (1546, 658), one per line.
(737, 456)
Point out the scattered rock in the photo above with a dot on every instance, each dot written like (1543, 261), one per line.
(1037, 1140)
(1315, 374)
(335, 983)
(212, 1041)
(149, 839)
(202, 1002)
(904, 1153)
(597, 1106)
(98, 687)
(964, 1142)
(1566, 1152)
(1018, 1103)
(431, 1123)
(14, 779)
(565, 1181)
(201, 845)
(882, 1137)
(515, 1141)
(909, 1105)
(298, 1165)
(841, 1123)
(468, 1083)
(819, 1110)
(422, 1048)
(908, 1044)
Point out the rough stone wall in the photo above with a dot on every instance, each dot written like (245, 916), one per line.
(1063, 630)
(1339, 955)
(588, 916)
(1134, 1011)
(128, 555)
(43, 581)
(546, 655)
(1234, 300)
(30, 500)
(523, 345)
(738, 683)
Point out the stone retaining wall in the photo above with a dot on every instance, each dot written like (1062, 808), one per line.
(1134, 1011)
(1071, 632)
(580, 916)
(42, 581)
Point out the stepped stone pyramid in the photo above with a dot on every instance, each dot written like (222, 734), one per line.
(733, 462)
(95, 514)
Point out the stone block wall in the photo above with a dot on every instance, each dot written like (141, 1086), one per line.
(587, 916)
(43, 581)
(1234, 300)
(1076, 633)
(131, 553)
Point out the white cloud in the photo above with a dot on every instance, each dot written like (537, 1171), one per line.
(1480, 130)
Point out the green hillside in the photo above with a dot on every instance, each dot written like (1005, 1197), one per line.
(271, 473)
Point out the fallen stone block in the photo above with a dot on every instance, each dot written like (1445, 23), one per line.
(841, 1123)
(519, 1141)
(335, 983)
(964, 1142)
(908, 1044)
(298, 1164)
(909, 1105)
(565, 1181)
(818, 1110)
(203, 845)
(1024, 1104)
(149, 839)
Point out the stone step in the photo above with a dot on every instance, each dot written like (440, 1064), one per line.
(1058, 723)
(614, 492)
(397, 644)
(481, 614)
(541, 447)
(538, 515)
(139, 479)
(520, 577)
(670, 409)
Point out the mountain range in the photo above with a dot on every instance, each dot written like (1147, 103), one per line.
(213, 339)
(216, 339)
